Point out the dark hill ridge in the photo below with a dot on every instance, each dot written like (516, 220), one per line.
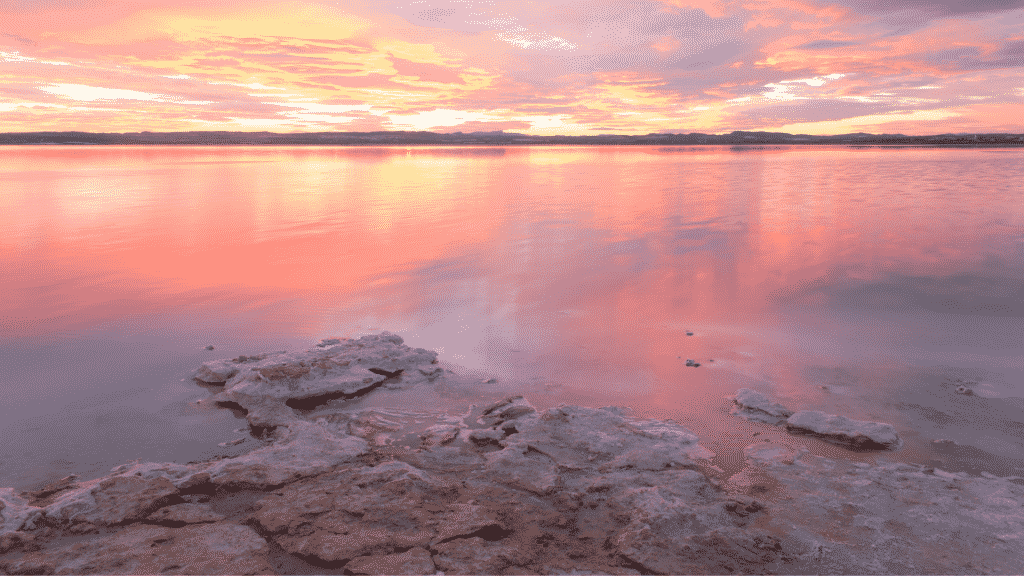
(493, 138)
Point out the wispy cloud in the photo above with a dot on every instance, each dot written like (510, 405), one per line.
(535, 66)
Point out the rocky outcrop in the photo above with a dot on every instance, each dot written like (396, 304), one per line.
(509, 489)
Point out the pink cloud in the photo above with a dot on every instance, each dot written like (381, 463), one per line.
(634, 66)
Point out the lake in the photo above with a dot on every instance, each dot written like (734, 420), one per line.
(864, 281)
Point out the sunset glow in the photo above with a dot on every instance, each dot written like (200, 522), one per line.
(536, 67)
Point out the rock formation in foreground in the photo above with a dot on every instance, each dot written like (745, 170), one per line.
(502, 489)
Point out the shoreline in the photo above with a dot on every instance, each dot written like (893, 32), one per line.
(505, 488)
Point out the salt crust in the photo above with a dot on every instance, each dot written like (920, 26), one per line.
(506, 489)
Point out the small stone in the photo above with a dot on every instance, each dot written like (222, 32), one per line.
(210, 347)
(696, 364)
(689, 362)
(689, 333)
(964, 390)
(489, 381)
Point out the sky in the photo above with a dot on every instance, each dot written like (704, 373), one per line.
(530, 66)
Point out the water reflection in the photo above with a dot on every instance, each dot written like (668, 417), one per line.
(572, 273)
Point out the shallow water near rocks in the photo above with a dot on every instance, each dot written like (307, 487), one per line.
(569, 275)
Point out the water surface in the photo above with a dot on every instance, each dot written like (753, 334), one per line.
(572, 274)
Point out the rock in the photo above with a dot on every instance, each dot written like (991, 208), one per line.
(439, 435)
(489, 381)
(220, 548)
(413, 561)
(111, 501)
(773, 453)
(837, 517)
(472, 556)
(858, 433)
(964, 390)
(355, 511)
(215, 371)
(564, 490)
(753, 405)
(209, 347)
(743, 505)
(16, 512)
(689, 362)
(486, 436)
(181, 514)
(330, 342)
(17, 541)
(504, 410)
(576, 437)
(689, 333)
(301, 449)
(270, 387)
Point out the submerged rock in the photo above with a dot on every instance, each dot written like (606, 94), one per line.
(509, 489)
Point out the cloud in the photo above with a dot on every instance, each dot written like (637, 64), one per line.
(540, 66)
(83, 93)
(824, 45)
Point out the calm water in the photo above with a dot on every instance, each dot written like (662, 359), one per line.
(572, 274)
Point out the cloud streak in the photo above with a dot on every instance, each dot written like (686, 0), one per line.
(538, 67)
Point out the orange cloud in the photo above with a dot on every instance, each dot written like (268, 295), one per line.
(295, 65)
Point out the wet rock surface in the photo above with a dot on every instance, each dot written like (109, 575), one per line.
(502, 489)
(858, 433)
(753, 405)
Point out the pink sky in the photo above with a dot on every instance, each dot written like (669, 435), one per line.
(533, 66)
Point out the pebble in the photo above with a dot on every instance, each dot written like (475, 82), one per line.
(964, 390)
(689, 333)
(210, 347)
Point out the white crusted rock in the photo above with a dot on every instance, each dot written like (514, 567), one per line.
(271, 386)
(753, 405)
(858, 433)
(16, 513)
(301, 449)
(216, 371)
(111, 501)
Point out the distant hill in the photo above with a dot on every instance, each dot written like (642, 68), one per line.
(491, 138)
